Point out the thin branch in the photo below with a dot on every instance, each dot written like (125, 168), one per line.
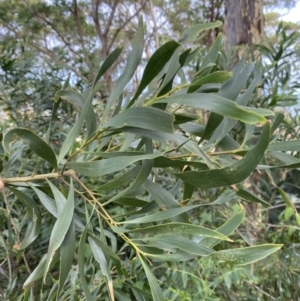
(109, 22)
(80, 33)
(155, 24)
(98, 27)
(124, 24)
(69, 172)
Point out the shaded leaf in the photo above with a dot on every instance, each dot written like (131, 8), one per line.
(156, 291)
(229, 227)
(36, 144)
(81, 265)
(164, 199)
(233, 173)
(33, 211)
(67, 249)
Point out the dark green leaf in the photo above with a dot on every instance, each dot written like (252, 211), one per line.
(156, 63)
(36, 144)
(233, 173)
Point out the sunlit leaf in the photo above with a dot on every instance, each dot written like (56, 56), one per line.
(248, 255)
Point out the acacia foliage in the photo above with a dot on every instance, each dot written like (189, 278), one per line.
(98, 208)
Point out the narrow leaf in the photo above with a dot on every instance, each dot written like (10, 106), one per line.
(217, 104)
(132, 63)
(143, 117)
(190, 34)
(81, 265)
(156, 291)
(215, 77)
(233, 173)
(60, 229)
(67, 249)
(248, 255)
(182, 243)
(155, 64)
(181, 229)
(159, 216)
(106, 166)
(100, 258)
(229, 227)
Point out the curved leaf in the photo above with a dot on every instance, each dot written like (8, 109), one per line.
(217, 104)
(233, 173)
(36, 144)
(248, 255)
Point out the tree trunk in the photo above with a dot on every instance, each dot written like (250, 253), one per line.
(243, 22)
(244, 27)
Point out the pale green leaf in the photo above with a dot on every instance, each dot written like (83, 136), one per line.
(248, 255)
(60, 229)
(106, 166)
(191, 34)
(143, 117)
